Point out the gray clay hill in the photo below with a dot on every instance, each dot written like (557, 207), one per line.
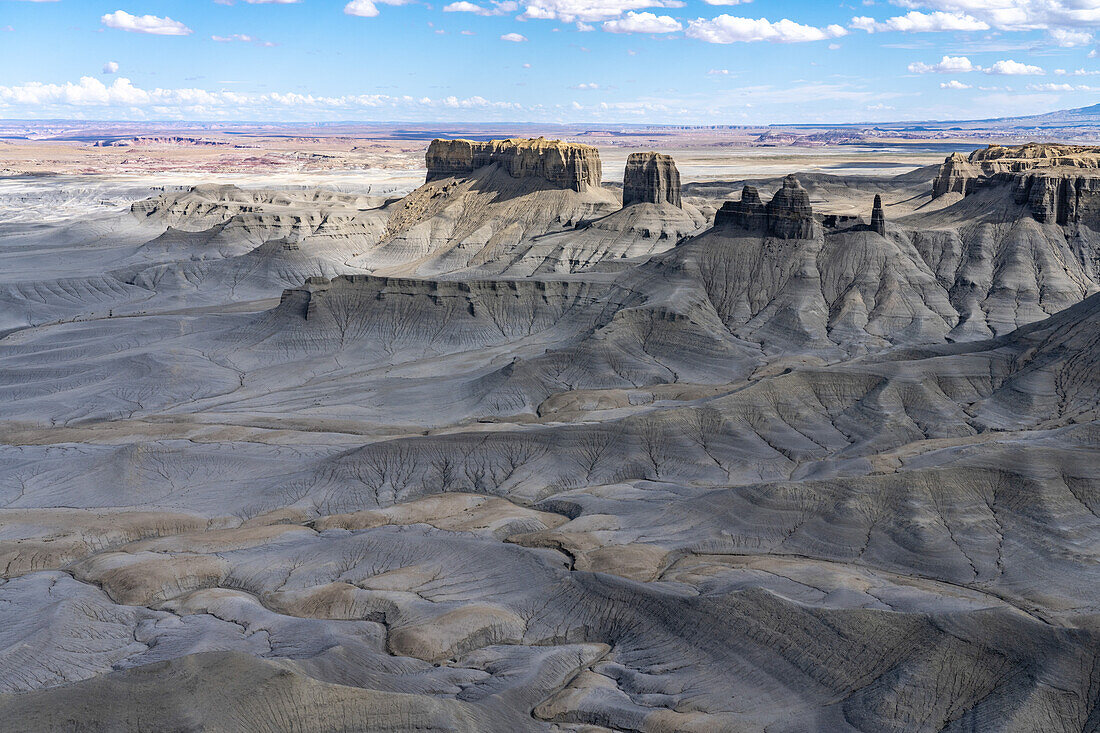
(525, 451)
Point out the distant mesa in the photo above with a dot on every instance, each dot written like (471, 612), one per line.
(651, 178)
(565, 165)
(787, 216)
(175, 140)
(1059, 184)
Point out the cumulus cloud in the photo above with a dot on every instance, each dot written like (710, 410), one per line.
(1075, 72)
(634, 22)
(731, 29)
(110, 67)
(916, 22)
(513, 38)
(463, 7)
(589, 11)
(361, 8)
(121, 93)
(1009, 67)
(153, 24)
(946, 65)
(586, 85)
(494, 8)
(1019, 15)
(368, 8)
(1069, 39)
(953, 84)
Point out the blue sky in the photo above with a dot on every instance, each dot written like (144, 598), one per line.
(630, 61)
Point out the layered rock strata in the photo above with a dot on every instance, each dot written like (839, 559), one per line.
(787, 216)
(1059, 184)
(1061, 199)
(878, 219)
(790, 215)
(651, 178)
(748, 213)
(565, 165)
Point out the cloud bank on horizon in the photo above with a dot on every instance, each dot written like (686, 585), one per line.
(649, 61)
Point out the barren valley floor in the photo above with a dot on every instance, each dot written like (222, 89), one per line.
(505, 439)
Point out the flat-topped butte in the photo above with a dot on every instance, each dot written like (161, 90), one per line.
(566, 165)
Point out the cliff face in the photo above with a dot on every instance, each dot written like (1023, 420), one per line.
(748, 213)
(1060, 184)
(790, 215)
(566, 165)
(787, 216)
(878, 219)
(651, 178)
(1061, 199)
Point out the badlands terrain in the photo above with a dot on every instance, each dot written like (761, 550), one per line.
(522, 444)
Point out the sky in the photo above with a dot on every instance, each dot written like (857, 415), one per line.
(693, 62)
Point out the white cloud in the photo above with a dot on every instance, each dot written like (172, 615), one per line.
(498, 7)
(946, 65)
(718, 72)
(193, 103)
(1014, 68)
(953, 84)
(589, 11)
(915, 22)
(731, 29)
(513, 38)
(1060, 88)
(643, 23)
(1020, 15)
(361, 8)
(368, 8)
(583, 27)
(110, 67)
(464, 7)
(1075, 72)
(586, 85)
(153, 24)
(241, 38)
(1069, 39)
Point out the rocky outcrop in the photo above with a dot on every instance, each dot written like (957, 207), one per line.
(878, 219)
(1059, 184)
(748, 213)
(787, 216)
(565, 165)
(790, 215)
(651, 178)
(1061, 199)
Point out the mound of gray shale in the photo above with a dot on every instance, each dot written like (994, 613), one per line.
(508, 456)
